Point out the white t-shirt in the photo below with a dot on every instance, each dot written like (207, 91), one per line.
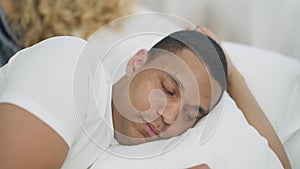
(65, 86)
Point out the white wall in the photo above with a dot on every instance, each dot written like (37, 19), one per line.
(270, 24)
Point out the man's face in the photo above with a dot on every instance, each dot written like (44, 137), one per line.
(165, 97)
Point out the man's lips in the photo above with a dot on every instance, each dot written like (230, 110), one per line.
(151, 129)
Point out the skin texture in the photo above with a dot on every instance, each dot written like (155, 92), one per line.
(28, 143)
(154, 98)
(239, 91)
(202, 166)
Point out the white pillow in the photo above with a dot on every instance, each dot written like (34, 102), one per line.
(268, 65)
(274, 79)
(233, 144)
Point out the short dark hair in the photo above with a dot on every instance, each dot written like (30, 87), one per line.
(175, 45)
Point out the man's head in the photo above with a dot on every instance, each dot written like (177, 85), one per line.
(167, 90)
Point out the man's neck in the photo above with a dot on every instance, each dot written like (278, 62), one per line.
(116, 89)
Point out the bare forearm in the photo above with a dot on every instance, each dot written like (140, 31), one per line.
(239, 91)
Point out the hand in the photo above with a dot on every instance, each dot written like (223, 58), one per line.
(202, 166)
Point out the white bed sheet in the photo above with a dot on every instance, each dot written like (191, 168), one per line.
(232, 145)
(274, 80)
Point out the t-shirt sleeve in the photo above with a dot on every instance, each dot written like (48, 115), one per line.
(39, 80)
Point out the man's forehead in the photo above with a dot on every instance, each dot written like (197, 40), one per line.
(184, 58)
(185, 66)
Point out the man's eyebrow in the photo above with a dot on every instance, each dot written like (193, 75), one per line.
(201, 111)
(177, 81)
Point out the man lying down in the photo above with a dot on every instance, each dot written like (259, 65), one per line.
(49, 110)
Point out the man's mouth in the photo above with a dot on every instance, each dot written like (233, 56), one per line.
(151, 129)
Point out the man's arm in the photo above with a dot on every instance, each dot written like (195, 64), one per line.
(27, 142)
(202, 166)
(239, 91)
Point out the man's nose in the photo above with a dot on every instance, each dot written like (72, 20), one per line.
(171, 111)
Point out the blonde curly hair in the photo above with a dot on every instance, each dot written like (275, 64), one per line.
(41, 19)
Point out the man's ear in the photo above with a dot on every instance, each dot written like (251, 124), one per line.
(138, 60)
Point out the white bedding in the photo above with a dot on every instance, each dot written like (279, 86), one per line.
(274, 80)
(235, 144)
(232, 145)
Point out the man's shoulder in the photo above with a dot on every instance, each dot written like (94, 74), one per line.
(61, 42)
(55, 49)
